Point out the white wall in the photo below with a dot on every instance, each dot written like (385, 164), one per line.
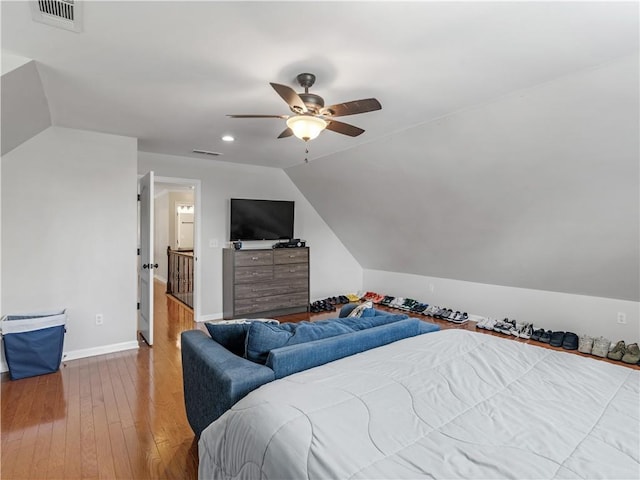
(552, 310)
(69, 221)
(333, 268)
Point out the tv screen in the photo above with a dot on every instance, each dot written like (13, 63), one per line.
(261, 219)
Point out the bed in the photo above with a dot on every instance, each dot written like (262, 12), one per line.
(450, 404)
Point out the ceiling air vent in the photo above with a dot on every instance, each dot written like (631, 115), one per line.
(207, 152)
(65, 14)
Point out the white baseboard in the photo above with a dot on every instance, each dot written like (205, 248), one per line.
(210, 317)
(92, 352)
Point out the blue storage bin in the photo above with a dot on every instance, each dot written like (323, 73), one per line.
(33, 343)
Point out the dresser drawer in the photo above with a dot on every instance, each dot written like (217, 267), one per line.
(261, 289)
(264, 304)
(248, 258)
(292, 271)
(253, 274)
(284, 256)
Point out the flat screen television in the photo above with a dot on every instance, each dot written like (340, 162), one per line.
(261, 219)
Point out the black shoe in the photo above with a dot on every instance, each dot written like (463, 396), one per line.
(556, 339)
(537, 334)
(570, 341)
(546, 336)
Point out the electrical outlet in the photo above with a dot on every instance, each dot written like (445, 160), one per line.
(622, 317)
(99, 319)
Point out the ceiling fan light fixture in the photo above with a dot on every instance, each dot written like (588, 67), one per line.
(306, 127)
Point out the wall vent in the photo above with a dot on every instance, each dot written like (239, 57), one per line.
(207, 152)
(65, 14)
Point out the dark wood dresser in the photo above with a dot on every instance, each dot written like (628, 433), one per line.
(265, 282)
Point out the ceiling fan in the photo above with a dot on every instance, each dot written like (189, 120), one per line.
(310, 116)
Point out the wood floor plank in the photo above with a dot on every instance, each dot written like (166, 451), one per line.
(119, 415)
(72, 458)
(121, 461)
(88, 453)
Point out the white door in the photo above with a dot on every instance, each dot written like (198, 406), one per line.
(146, 263)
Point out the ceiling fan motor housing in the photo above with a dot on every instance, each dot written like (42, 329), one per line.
(312, 101)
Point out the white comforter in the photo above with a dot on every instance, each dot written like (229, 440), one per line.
(451, 404)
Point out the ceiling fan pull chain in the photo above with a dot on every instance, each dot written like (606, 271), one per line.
(306, 153)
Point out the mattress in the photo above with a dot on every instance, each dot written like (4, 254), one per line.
(450, 404)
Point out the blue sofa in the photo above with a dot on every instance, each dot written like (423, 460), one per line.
(215, 378)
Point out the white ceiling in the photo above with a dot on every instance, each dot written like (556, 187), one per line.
(168, 72)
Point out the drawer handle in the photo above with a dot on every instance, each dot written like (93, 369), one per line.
(254, 258)
(254, 273)
(292, 271)
(292, 256)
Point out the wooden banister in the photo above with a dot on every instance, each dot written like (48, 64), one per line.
(180, 275)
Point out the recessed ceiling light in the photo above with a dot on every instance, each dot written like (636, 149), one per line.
(228, 138)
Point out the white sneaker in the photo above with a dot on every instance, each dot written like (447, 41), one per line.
(526, 331)
(490, 324)
(515, 329)
(481, 323)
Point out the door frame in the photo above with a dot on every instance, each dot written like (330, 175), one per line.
(197, 229)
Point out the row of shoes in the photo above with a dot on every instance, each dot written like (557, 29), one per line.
(322, 306)
(566, 340)
(602, 347)
(414, 306)
(506, 327)
(329, 304)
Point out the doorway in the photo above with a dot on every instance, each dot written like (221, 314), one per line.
(177, 192)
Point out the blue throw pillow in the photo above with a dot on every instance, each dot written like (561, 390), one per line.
(262, 338)
(231, 334)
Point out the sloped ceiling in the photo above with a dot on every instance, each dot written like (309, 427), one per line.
(506, 151)
(25, 110)
(538, 189)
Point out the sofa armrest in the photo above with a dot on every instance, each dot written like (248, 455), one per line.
(214, 379)
(295, 358)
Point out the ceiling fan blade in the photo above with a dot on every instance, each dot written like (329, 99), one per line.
(351, 108)
(289, 95)
(258, 116)
(344, 128)
(287, 132)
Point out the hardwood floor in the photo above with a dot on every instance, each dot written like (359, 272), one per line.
(112, 416)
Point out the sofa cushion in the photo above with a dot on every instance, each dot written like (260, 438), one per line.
(262, 338)
(295, 358)
(362, 323)
(231, 334)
